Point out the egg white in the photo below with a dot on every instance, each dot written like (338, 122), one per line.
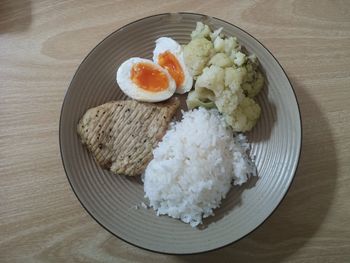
(164, 44)
(133, 91)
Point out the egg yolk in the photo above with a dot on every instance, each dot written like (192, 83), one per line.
(148, 77)
(168, 61)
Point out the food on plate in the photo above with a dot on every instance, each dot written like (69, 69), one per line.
(157, 80)
(197, 53)
(144, 80)
(226, 76)
(194, 165)
(199, 157)
(244, 116)
(122, 134)
(169, 55)
(254, 79)
(193, 102)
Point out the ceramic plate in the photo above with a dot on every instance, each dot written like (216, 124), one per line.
(111, 199)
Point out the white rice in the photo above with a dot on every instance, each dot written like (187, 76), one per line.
(194, 166)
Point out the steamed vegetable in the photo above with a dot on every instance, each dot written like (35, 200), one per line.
(197, 53)
(226, 77)
(245, 116)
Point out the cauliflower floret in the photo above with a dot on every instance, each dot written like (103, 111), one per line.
(221, 60)
(219, 44)
(254, 87)
(250, 72)
(254, 80)
(238, 58)
(201, 31)
(245, 116)
(230, 44)
(215, 34)
(212, 78)
(226, 77)
(194, 101)
(196, 54)
(234, 77)
(229, 101)
(205, 94)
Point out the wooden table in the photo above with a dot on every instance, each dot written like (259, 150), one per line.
(41, 45)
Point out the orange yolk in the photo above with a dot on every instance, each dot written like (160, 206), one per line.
(168, 61)
(148, 77)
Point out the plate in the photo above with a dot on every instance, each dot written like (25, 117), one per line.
(111, 200)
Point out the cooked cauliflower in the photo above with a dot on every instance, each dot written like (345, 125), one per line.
(253, 88)
(226, 77)
(231, 44)
(216, 34)
(196, 54)
(245, 116)
(229, 101)
(254, 80)
(212, 78)
(219, 44)
(239, 58)
(194, 101)
(205, 94)
(201, 31)
(221, 60)
(234, 77)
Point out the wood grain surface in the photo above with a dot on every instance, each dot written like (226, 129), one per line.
(41, 45)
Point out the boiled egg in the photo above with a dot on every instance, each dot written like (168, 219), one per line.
(144, 80)
(169, 55)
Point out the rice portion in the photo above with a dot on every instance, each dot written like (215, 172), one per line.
(194, 166)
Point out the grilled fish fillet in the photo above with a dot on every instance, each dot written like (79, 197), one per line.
(122, 134)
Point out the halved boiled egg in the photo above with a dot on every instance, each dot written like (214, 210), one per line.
(169, 55)
(144, 80)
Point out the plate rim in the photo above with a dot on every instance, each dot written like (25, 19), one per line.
(294, 171)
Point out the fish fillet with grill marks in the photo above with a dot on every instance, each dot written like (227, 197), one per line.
(122, 134)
